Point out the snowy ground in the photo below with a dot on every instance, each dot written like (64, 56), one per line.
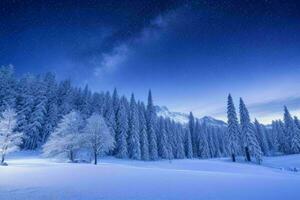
(32, 177)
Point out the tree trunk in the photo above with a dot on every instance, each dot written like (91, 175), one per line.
(2, 158)
(233, 157)
(71, 156)
(247, 154)
(95, 157)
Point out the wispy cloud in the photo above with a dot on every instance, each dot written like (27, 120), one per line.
(109, 62)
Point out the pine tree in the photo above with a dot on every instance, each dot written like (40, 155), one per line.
(179, 142)
(261, 137)
(151, 122)
(292, 133)
(97, 103)
(203, 149)
(277, 139)
(143, 132)
(37, 116)
(249, 140)
(121, 131)
(109, 114)
(170, 136)
(192, 132)
(133, 132)
(188, 144)
(65, 99)
(233, 129)
(51, 109)
(7, 88)
(162, 140)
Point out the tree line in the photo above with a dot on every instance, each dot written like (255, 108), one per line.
(65, 120)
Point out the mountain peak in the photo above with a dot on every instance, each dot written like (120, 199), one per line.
(183, 118)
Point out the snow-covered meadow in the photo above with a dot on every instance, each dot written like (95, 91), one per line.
(29, 176)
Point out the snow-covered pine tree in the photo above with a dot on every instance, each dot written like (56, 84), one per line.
(291, 132)
(9, 138)
(217, 152)
(51, 109)
(232, 130)
(250, 142)
(297, 122)
(86, 103)
(7, 87)
(67, 138)
(65, 101)
(211, 146)
(162, 139)
(121, 150)
(37, 116)
(143, 132)
(25, 104)
(192, 132)
(133, 131)
(98, 103)
(188, 143)
(151, 123)
(289, 129)
(115, 101)
(97, 138)
(179, 141)
(261, 137)
(170, 135)
(278, 141)
(203, 149)
(109, 114)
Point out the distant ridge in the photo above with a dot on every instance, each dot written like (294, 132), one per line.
(183, 118)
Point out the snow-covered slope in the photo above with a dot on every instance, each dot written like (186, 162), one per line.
(33, 178)
(183, 117)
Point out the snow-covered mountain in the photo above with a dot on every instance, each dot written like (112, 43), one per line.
(183, 118)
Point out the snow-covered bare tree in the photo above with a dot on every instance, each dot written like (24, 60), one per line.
(97, 137)
(9, 138)
(66, 139)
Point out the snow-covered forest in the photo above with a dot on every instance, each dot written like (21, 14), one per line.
(39, 112)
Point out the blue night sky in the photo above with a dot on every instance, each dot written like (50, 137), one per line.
(190, 53)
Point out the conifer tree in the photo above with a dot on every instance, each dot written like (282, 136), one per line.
(151, 123)
(162, 140)
(121, 131)
(188, 144)
(143, 132)
(250, 142)
(233, 129)
(261, 137)
(133, 132)
(292, 132)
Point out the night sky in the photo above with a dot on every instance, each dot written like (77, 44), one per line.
(190, 53)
